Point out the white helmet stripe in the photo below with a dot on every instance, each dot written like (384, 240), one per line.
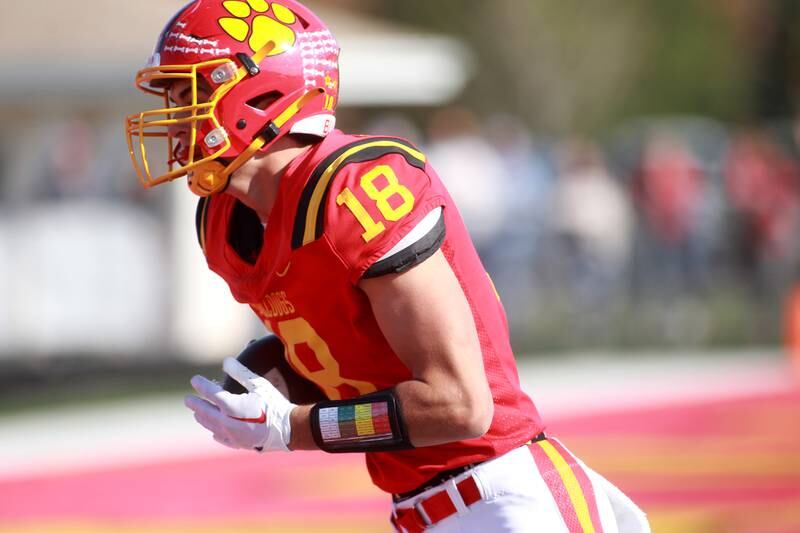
(155, 59)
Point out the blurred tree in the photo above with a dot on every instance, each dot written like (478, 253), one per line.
(567, 65)
(692, 63)
(537, 59)
(766, 36)
(777, 66)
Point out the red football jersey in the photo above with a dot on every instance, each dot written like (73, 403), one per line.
(340, 207)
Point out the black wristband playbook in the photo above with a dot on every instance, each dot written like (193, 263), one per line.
(371, 423)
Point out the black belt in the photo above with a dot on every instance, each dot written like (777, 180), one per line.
(444, 475)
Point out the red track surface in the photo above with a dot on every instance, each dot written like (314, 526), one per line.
(729, 467)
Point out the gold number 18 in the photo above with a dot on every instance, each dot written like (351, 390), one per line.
(373, 228)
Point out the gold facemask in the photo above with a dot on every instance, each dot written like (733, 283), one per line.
(207, 175)
(155, 124)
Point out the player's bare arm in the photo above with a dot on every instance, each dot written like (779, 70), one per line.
(426, 318)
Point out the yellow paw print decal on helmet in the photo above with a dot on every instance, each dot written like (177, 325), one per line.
(261, 29)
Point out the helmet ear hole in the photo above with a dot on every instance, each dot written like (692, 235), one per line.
(263, 101)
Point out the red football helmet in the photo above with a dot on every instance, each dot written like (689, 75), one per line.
(272, 69)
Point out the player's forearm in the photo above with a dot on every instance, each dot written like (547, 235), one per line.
(438, 413)
(432, 415)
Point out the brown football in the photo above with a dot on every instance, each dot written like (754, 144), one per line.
(265, 357)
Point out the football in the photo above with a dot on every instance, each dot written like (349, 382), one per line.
(265, 357)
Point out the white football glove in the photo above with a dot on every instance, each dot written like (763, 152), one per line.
(258, 420)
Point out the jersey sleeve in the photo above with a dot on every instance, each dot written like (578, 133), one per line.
(382, 214)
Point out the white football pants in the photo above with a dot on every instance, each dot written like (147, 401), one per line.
(544, 490)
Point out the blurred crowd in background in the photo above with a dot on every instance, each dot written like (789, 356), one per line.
(630, 177)
(677, 231)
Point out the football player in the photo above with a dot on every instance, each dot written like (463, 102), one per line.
(352, 253)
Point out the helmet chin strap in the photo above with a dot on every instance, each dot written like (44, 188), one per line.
(213, 176)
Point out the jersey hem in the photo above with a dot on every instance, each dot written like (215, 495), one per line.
(357, 271)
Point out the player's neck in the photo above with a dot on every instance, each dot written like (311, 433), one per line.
(256, 183)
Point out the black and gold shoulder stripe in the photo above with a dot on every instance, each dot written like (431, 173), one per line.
(200, 221)
(310, 216)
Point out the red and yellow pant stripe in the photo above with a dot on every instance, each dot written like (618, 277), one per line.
(569, 485)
